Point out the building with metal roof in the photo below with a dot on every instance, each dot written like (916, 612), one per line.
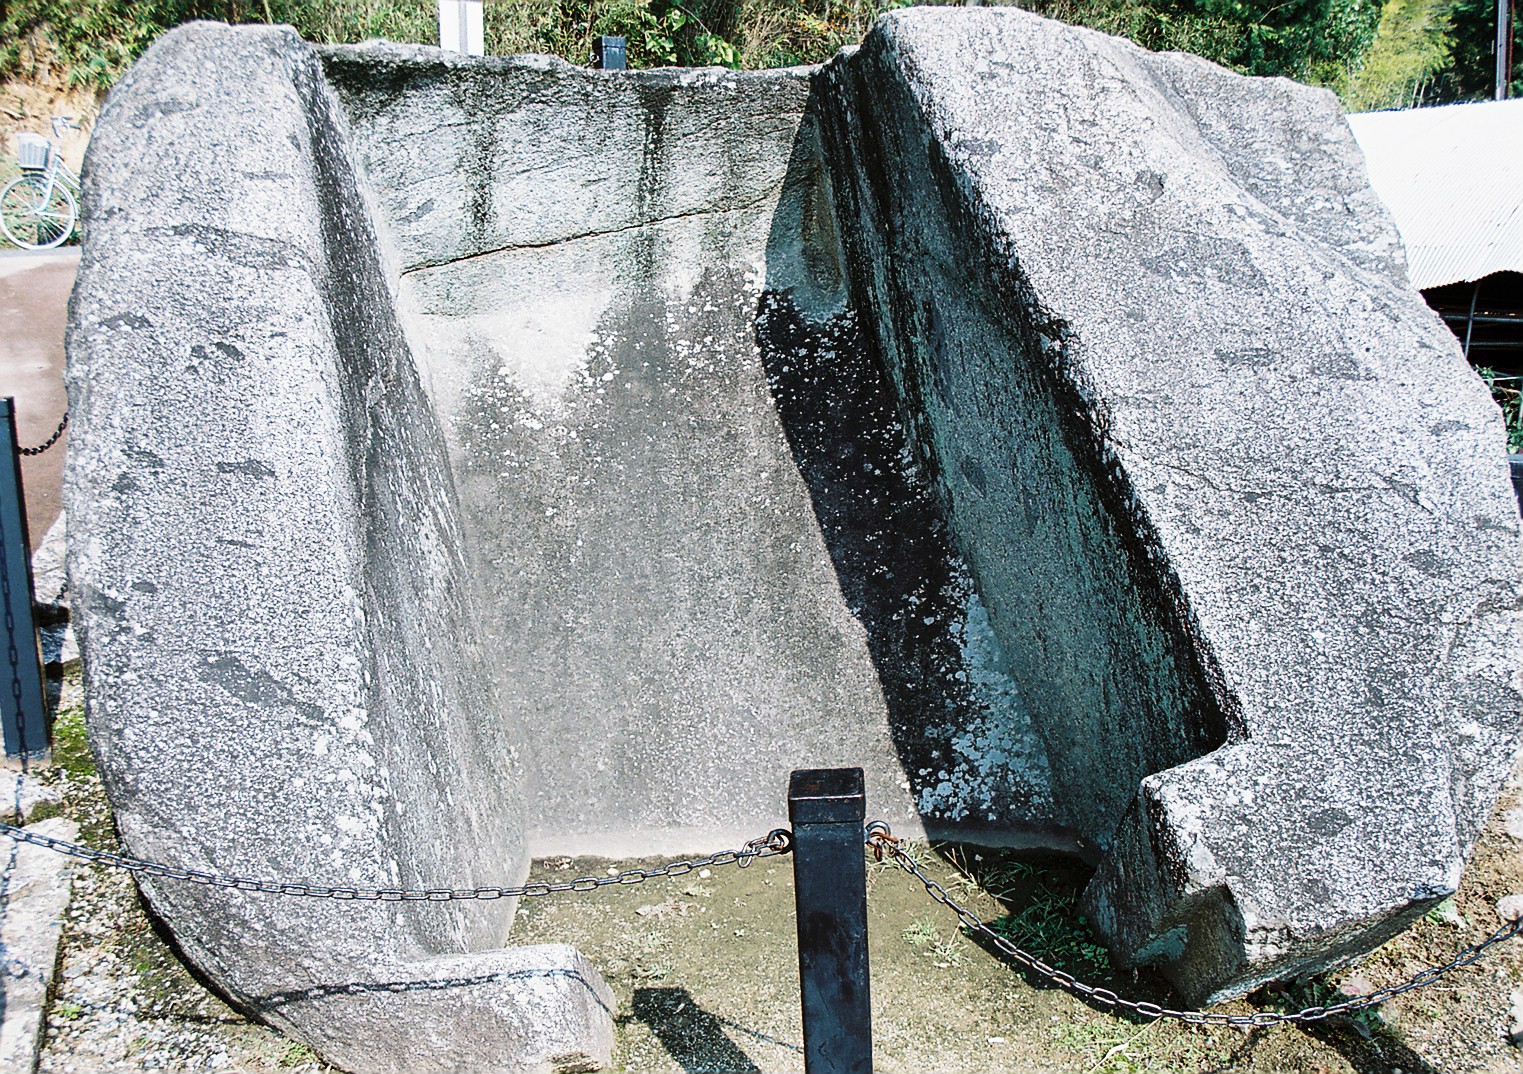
(1453, 179)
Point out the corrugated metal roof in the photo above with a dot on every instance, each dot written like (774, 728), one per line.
(1453, 179)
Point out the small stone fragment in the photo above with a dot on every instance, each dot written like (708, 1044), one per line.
(24, 795)
(663, 909)
(1515, 1020)
(1358, 985)
(1512, 823)
(1510, 907)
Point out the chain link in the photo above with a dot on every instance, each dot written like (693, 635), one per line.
(778, 841)
(885, 846)
(50, 441)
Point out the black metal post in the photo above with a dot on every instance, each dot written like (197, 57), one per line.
(22, 698)
(827, 807)
(608, 54)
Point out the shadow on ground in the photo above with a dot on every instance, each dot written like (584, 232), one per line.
(694, 1038)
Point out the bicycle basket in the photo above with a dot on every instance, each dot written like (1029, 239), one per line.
(32, 152)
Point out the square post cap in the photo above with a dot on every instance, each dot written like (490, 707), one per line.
(827, 796)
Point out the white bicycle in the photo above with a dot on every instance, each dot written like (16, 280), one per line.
(38, 211)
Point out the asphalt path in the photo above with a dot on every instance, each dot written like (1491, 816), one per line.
(34, 305)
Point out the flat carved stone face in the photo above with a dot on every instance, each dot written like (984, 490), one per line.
(701, 548)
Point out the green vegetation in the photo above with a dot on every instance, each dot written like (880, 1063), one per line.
(1113, 1047)
(1410, 47)
(1039, 897)
(71, 752)
(1471, 71)
(1321, 992)
(1507, 390)
(295, 1054)
(1319, 41)
(1049, 927)
(1430, 52)
(66, 1011)
(1377, 54)
(945, 947)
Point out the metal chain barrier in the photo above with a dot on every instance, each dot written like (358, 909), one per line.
(778, 841)
(886, 847)
(50, 441)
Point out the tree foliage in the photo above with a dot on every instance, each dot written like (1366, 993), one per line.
(1309, 40)
(1470, 73)
(1412, 45)
(1377, 53)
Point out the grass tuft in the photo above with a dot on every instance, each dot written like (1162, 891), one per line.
(71, 750)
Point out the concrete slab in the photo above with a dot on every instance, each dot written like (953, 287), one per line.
(34, 892)
(22, 794)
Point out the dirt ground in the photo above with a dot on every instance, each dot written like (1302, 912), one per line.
(705, 971)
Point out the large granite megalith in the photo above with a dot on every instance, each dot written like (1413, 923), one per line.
(1236, 506)
(478, 458)
(470, 453)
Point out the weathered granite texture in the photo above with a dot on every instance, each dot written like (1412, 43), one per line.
(1237, 508)
(700, 559)
(281, 669)
(473, 452)
(479, 453)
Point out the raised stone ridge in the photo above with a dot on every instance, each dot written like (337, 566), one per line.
(281, 672)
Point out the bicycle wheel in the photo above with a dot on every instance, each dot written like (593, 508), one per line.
(36, 214)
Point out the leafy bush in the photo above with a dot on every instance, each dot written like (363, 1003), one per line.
(1377, 53)
(1310, 40)
(94, 41)
(1507, 390)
